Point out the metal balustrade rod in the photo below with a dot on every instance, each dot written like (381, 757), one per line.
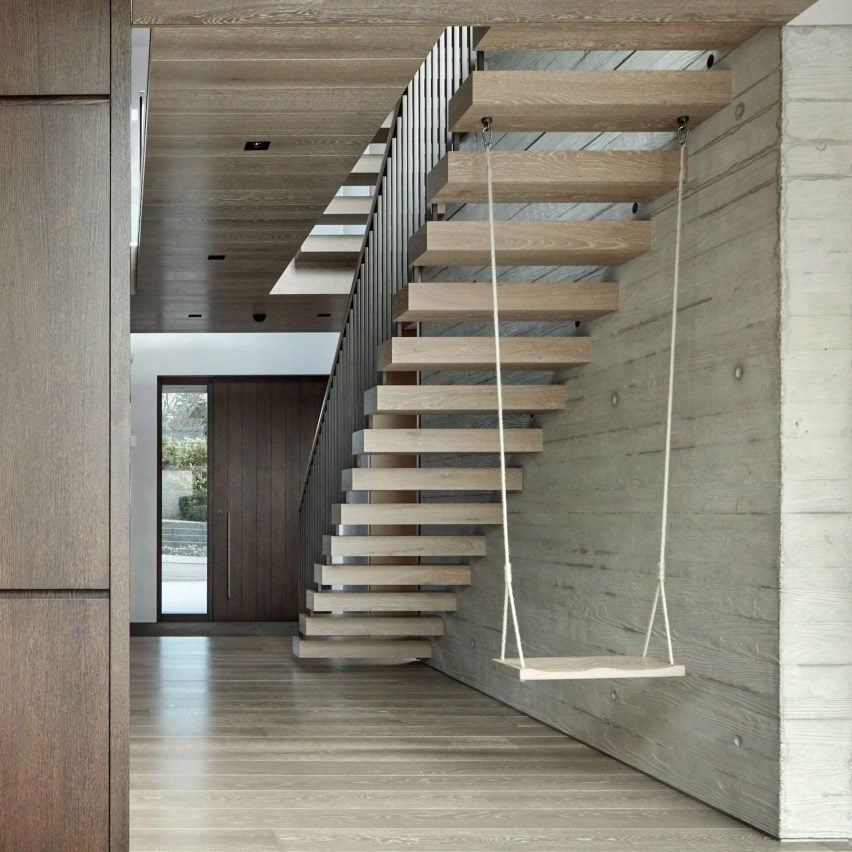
(419, 137)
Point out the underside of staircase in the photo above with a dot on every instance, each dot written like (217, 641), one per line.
(396, 558)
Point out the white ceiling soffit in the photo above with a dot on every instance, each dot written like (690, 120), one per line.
(826, 13)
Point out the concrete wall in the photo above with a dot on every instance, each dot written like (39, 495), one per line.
(194, 355)
(816, 433)
(585, 531)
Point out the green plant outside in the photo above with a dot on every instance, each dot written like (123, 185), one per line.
(189, 454)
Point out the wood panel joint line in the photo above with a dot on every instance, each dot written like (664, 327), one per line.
(54, 593)
(54, 99)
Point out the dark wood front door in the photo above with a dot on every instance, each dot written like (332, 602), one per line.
(262, 429)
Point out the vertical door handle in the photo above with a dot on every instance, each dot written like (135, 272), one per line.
(229, 555)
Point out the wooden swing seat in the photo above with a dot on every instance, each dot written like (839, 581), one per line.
(587, 668)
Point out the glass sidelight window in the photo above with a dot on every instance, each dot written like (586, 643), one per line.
(184, 563)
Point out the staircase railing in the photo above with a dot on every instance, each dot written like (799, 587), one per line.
(419, 137)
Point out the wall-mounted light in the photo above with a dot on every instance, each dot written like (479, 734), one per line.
(256, 145)
(215, 257)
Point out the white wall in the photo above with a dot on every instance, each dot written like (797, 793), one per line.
(193, 355)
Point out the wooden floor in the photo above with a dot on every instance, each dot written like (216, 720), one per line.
(238, 746)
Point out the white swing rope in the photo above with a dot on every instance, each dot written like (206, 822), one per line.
(509, 592)
(660, 594)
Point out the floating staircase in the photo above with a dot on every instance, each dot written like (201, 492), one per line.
(392, 575)
(453, 546)
(404, 354)
(531, 302)
(554, 176)
(370, 572)
(420, 441)
(519, 243)
(430, 479)
(453, 514)
(462, 399)
(587, 100)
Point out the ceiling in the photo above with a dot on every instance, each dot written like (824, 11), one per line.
(318, 96)
(461, 12)
(316, 79)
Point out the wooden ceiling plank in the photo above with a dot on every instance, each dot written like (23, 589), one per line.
(461, 12)
(265, 123)
(283, 313)
(226, 74)
(296, 184)
(253, 43)
(233, 211)
(233, 145)
(258, 164)
(335, 101)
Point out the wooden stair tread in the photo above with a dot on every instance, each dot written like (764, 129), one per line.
(411, 441)
(530, 243)
(380, 601)
(695, 35)
(430, 479)
(403, 545)
(391, 650)
(418, 399)
(477, 353)
(389, 575)
(588, 100)
(333, 625)
(587, 668)
(554, 176)
(356, 514)
(446, 301)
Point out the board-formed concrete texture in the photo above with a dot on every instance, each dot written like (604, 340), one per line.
(585, 531)
(816, 433)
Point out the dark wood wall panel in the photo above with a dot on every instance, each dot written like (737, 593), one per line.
(54, 47)
(280, 496)
(54, 739)
(311, 397)
(264, 508)
(54, 345)
(248, 508)
(262, 430)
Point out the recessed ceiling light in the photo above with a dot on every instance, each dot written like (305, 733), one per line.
(256, 145)
(194, 316)
(215, 257)
(323, 315)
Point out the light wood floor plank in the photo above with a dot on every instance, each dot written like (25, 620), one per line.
(235, 746)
